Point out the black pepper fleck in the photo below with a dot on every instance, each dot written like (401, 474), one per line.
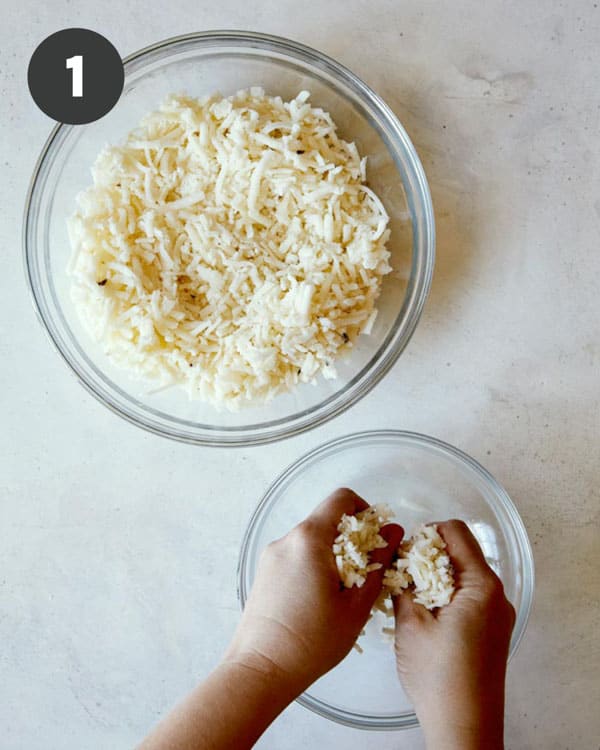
(102, 283)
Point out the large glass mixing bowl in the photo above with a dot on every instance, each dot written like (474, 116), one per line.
(199, 64)
(423, 480)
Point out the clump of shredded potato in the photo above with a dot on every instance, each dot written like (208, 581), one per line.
(230, 245)
(358, 536)
(421, 562)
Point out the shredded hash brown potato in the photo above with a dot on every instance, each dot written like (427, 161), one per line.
(231, 246)
(421, 561)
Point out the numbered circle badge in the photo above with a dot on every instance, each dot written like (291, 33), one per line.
(75, 76)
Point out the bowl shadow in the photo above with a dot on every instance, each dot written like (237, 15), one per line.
(455, 192)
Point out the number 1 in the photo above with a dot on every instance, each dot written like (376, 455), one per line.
(76, 65)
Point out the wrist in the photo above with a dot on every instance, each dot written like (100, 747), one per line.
(458, 736)
(264, 673)
(231, 708)
(475, 725)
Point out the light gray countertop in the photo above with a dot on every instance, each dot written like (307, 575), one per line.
(118, 549)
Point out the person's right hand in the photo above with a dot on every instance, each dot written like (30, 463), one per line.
(452, 661)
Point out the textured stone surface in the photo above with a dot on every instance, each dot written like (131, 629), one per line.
(117, 574)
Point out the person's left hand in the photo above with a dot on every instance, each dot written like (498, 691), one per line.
(299, 621)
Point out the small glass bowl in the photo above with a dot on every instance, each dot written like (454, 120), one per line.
(423, 480)
(226, 61)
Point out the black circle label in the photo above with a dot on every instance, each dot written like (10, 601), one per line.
(75, 76)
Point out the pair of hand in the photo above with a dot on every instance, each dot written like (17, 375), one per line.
(299, 623)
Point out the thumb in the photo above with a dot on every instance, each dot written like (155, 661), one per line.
(392, 533)
(408, 612)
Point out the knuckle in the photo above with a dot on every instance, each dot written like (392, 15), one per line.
(512, 615)
(342, 493)
(304, 529)
(297, 541)
(270, 549)
(303, 533)
(453, 527)
(457, 524)
(493, 599)
(491, 585)
(412, 625)
(273, 551)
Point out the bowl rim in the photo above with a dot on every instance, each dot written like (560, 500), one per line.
(120, 401)
(405, 720)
